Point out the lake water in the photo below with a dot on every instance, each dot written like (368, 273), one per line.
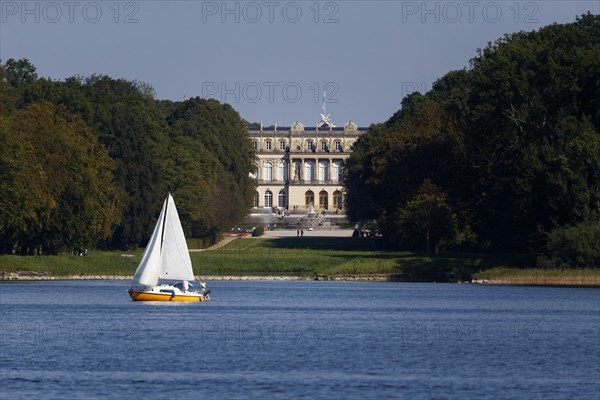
(303, 340)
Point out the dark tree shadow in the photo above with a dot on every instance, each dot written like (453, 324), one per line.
(325, 243)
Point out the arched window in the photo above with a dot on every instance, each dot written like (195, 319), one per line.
(323, 200)
(309, 198)
(337, 200)
(255, 203)
(282, 199)
(268, 199)
(268, 172)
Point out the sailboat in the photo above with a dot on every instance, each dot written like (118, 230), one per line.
(165, 271)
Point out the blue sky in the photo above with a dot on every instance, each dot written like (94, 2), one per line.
(271, 60)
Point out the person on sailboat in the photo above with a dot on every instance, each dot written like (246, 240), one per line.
(184, 286)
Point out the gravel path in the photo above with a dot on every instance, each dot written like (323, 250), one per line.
(307, 233)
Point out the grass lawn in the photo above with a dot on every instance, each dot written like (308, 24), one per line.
(331, 256)
(307, 256)
(95, 263)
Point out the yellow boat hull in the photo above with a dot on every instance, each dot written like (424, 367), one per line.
(147, 296)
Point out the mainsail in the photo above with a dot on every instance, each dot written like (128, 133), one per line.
(166, 255)
(176, 262)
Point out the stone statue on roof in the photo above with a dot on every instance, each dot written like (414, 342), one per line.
(297, 126)
(350, 126)
(325, 121)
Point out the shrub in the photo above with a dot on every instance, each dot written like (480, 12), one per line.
(573, 247)
(258, 231)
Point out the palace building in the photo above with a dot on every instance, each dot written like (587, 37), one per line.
(300, 168)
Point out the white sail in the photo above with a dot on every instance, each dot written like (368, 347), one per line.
(176, 263)
(147, 272)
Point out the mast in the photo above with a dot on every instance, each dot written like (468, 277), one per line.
(162, 234)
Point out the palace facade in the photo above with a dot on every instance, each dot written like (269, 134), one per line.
(299, 168)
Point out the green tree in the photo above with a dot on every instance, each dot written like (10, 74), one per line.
(26, 202)
(210, 160)
(9, 95)
(20, 73)
(198, 149)
(513, 141)
(527, 98)
(69, 94)
(392, 160)
(57, 188)
(428, 219)
(573, 247)
(128, 122)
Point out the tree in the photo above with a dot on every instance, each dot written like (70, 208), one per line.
(526, 98)
(198, 149)
(20, 73)
(25, 199)
(210, 162)
(427, 218)
(392, 160)
(513, 142)
(57, 187)
(573, 247)
(130, 124)
(9, 95)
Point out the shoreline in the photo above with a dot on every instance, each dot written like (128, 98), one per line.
(37, 276)
(40, 276)
(515, 281)
(575, 282)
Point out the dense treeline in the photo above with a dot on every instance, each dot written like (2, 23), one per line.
(502, 156)
(88, 161)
